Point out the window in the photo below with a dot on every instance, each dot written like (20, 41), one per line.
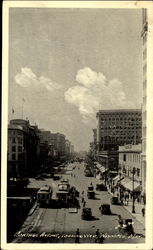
(138, 172)
(19, 140)
(13, 140)
(13, 156)
(124, 157)
(20, 149)
(13, 148)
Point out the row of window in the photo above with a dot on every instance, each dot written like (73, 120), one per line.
(14, 157)
(17, 139)
(121, 118)
(131, 157)
(128, 171)
(15, 149)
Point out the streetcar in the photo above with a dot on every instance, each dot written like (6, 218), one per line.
(44, 195)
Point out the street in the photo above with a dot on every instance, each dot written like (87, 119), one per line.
(44, 223)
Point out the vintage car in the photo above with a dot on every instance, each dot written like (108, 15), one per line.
(86, 214)
(101, 187)
(115, 200)
(90, 194)
(105, 209)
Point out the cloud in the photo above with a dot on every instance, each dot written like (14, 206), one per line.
(93, 92)
(26, 78)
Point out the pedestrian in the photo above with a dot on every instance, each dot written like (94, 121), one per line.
(91, 184)
(83, 192)
(97, 236)
(84, 203)
(101, 238)
(77, 236)
(143, 211)
(82, 199)
(120, 220)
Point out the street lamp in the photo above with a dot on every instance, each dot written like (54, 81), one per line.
(133, 198)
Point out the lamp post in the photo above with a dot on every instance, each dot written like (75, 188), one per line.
(133, 198)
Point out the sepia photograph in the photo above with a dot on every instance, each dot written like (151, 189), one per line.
(75, 123)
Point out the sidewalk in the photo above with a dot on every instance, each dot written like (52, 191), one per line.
(138, 210)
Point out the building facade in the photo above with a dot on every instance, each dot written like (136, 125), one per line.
(23, 148)
(130, 167)
(118, 127)
(144, 110)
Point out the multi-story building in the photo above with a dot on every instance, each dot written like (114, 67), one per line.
(144, 111)
(116, 128)
(130, 173)
(67, 147)
(23, 148)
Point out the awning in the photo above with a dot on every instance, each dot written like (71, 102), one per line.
(116, 178)
(102, 169)
(128, 184)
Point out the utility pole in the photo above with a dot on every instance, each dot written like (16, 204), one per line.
(133, 198)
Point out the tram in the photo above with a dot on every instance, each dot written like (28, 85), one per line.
(44, 195)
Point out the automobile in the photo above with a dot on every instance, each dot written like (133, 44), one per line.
(86, 214)
(64, 180)
(115, 200)
(90, 194)
(56, 177)
(105, 209)
(101, 187)
(90, 188)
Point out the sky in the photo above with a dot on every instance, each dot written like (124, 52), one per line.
(66, 64)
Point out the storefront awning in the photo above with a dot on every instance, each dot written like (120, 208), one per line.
(116, 178)
(102, 169)
(128, 184)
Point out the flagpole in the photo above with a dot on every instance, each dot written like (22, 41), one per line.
(22, 106)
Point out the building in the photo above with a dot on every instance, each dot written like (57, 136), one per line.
(116, 128)
(130, 168)
(67, 147)
(23, 149)
(144, 110)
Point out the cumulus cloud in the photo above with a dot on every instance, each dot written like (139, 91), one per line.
(26, 78)
(93, 92)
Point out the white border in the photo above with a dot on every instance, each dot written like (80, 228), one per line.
(149, 186)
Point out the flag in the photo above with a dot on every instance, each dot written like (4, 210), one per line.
(12, 111)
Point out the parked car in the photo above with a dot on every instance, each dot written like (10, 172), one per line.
(115, 200)
(105, 209)
(101, 187)
(86, 214)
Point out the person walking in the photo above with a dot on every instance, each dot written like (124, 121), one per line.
(143, 211)
(97, 236)
(84, 203)
(77, 236)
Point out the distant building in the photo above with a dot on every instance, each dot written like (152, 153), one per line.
(67, 147)
(130, 164)
(144, 35)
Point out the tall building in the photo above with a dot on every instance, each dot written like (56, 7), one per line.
(144, 111)
(118, 127)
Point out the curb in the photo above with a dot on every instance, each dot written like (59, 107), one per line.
(33, 209)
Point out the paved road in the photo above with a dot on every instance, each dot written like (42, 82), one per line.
(60, 221)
